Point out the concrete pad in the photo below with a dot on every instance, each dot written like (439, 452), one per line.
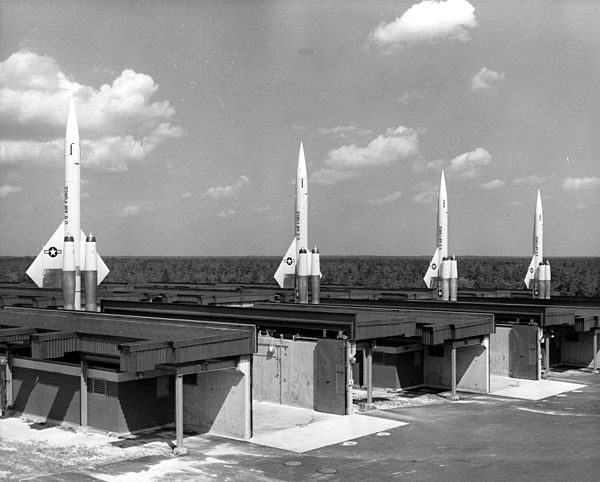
(301, 430)
(529, 389)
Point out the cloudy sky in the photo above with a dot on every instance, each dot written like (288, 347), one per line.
(191, 115)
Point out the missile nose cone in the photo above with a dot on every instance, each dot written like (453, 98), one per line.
(442, 192)
(301, 159)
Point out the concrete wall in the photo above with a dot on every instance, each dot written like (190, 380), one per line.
(140, 406)
(391, 370)
(51, 396)
(287, 375)
(499, 351)
(577, 353)
(472, 368)
(216, 403)
(121, 408)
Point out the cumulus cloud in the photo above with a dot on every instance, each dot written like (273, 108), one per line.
(119, 122)
(532, 179)
(427, 21)
(186, 194)
(6, 190)
(580, 183)
(484, 79)
(427, 192)
(230, 190)
(469, 164)
(131, 210)
(384, 149)
(226, 214)
(390, 198)
(347, 162)
(495, 184)
(344, 131)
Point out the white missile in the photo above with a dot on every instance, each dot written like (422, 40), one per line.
(286, 273)
(538, 245)
(441, 250)
(46, 269)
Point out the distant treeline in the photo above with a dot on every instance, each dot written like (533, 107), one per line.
(570, 276)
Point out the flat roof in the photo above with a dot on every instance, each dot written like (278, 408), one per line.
(355, 323)
(358, 322)
(140, 343)
(434, 326)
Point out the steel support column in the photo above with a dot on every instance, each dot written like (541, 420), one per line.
(349, 382)
(83, 396)
(595, 345)
(245, 366)
(179, 449)
(547, 350)
(369, 379)
(540, 335)
(453, 360)
(9, 379)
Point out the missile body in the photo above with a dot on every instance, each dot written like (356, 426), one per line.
(435, 275)
(288, 272)
(46, 271)
(73, 194)
(301, 204)
(537, 273)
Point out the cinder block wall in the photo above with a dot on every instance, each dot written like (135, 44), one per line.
(288, 375)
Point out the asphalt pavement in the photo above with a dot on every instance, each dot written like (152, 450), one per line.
(479, 437)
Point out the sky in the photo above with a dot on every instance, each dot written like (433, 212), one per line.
(191, 116)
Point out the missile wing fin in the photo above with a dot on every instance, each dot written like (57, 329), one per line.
(46, 269)
(286, 272)
(530, 273)
(433, 270)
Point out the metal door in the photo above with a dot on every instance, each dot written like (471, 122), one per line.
(555, 351)
(522, 349)
(330, 383)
